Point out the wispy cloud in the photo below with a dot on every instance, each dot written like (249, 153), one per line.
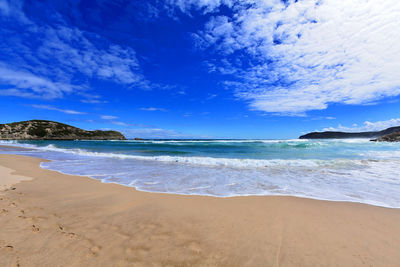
(66, 111)
(90, 98)
(153, 109)
(121, 123)
(289, 57)
(13, 9)
(26, 84)
(127, 124)
(211, 96)
(205, 6)
(93, 101)
(108, 117)
(367, 126)
(51, 60)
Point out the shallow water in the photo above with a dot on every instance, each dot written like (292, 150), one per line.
(342, 170)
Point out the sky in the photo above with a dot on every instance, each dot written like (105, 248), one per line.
(202, 69)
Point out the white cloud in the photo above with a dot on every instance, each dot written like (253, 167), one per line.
(211, 96)
(367, 126)
(90, 58)
(62, 60)
(4, 7)
(26, 84)
(305, 55)
(120, 123)
(93, 101)
(66, 111)
(108, 117)
(153, 109)
(205, 6)
(13, 9)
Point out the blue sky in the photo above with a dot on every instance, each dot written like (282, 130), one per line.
(202, 69)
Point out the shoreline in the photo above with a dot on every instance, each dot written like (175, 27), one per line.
(171, 193)
(4, 147)
(189, 195)
(224, 197)
(57, 219)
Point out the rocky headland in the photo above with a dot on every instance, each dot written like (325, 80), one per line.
(51, 130)
(390, 134)
(393, 137)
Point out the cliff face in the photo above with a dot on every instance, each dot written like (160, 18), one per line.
(51, 130)
(342, 135)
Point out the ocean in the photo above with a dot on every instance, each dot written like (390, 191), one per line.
(354, 170)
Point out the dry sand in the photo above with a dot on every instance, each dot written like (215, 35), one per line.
(61, 220)
(8, 179)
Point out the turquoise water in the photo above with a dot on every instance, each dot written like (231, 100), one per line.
(342, 170)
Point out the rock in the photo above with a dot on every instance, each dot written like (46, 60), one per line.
(393, 137)
(51, 130)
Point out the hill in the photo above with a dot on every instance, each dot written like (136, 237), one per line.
(342, 135)
(51, 130)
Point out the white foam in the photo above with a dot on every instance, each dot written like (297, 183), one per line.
(204, 161)
(220, 162)
(217, 141)
(371, 179)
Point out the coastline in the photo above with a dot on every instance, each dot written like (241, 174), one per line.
(322, 173)
(57, 219)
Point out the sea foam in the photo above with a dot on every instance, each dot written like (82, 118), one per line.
(338, 170)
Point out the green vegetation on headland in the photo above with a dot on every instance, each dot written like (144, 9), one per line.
(391, 135)
(51, 130)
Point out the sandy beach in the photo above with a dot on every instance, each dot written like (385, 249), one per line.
(52, 219)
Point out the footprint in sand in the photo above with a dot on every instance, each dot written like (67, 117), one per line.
(9, 248)
(63, 231)
(72, 235)
(93, 251)
(4, 211)
(12, 204)
(35, 228)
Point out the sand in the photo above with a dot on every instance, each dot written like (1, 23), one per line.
(8, 179)
(62, 220)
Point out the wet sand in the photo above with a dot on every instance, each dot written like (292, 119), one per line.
(61, 220)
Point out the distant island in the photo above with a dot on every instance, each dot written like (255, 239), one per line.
(51, 130)
(391, 134)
